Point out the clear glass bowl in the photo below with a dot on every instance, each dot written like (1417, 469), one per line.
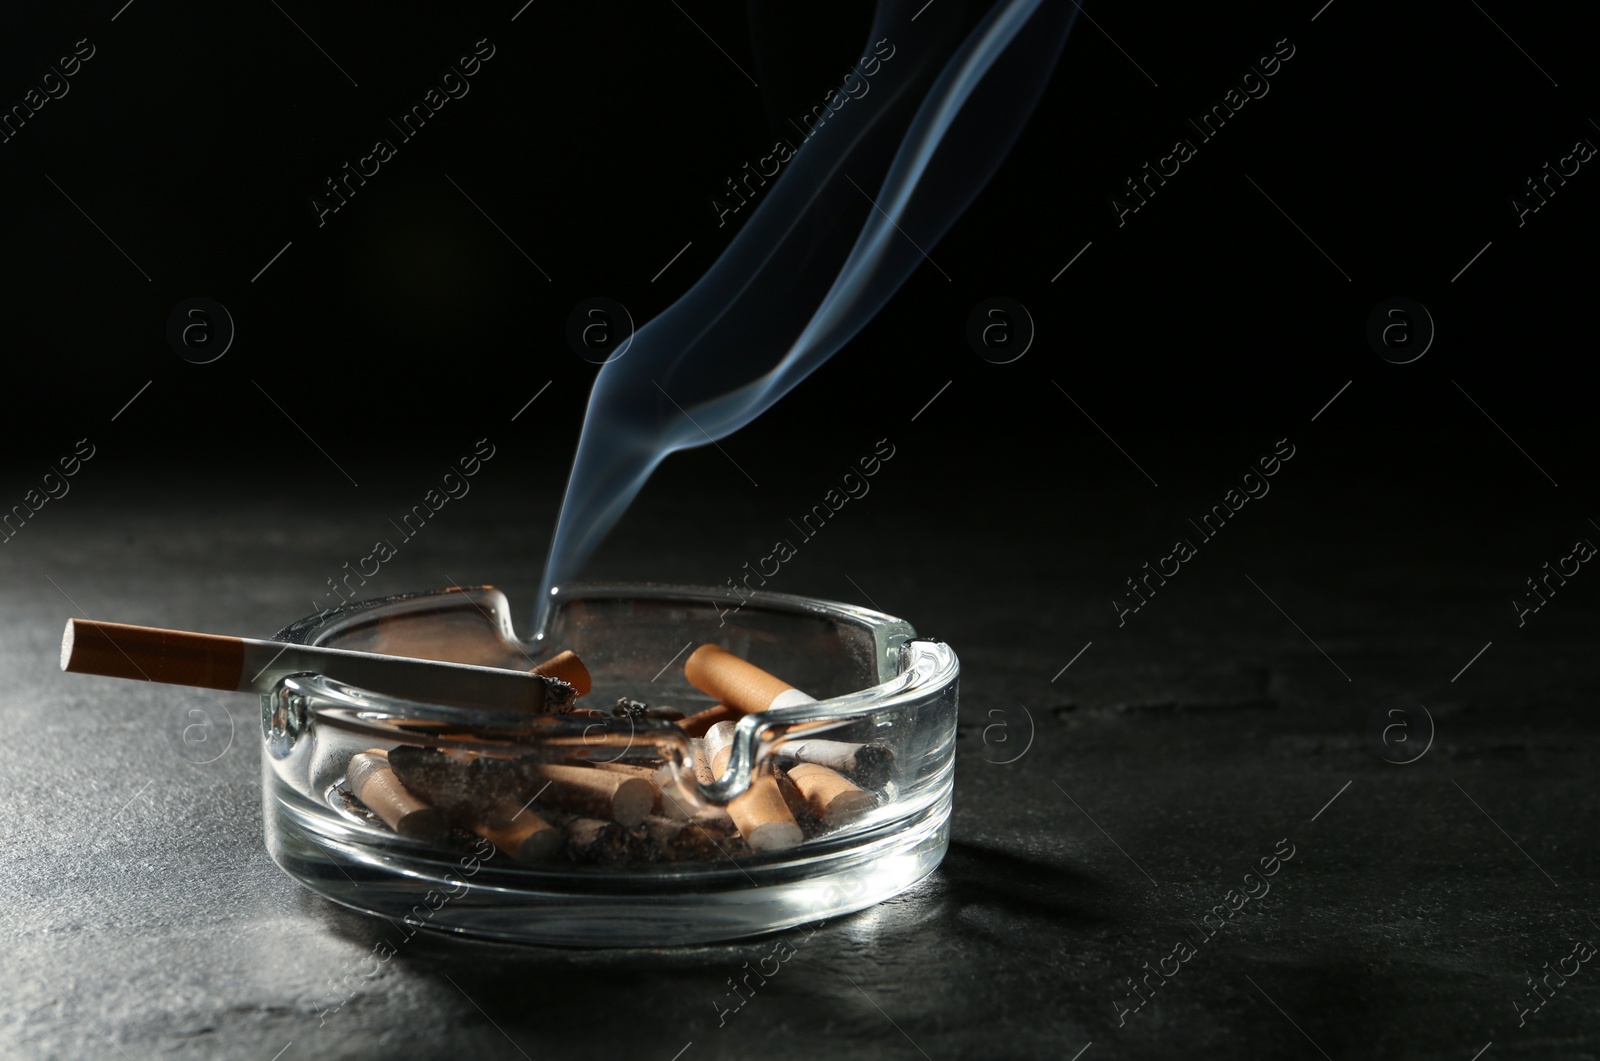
(874, 681)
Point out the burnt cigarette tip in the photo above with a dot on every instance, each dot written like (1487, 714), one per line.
(566, 666)
(831, 797)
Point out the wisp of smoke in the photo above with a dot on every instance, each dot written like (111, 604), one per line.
(817, 259)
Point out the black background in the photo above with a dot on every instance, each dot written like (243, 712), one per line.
(197, 136)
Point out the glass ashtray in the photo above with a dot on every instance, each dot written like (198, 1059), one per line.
(606, 823)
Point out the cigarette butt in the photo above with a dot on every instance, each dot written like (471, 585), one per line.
(760, 812)
(459, 782)
(650, 775)
(598, 793)
(697, 724)
(681, 802)
(739, 684)
(763, 817)
(680, 798)
(375, 785)
(566, 666)
(521, 835)
(795, 800)
(829, 795)
(702, 763)
(718, 745)
(866, 764)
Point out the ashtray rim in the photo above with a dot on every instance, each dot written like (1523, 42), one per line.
(920, 666)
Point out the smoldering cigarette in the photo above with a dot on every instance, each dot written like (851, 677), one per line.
(567, 667)
(866, 764)
(738, 683)
(376, 786)
(697, 724)
(760, 812)
(830, 797)
(243, 664)
(598, 793)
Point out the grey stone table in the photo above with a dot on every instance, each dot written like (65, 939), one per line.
(1115, 785)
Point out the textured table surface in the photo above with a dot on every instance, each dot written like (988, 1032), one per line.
(1099, 817)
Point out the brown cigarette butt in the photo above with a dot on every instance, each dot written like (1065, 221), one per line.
(760, 812)
(480, 793)
(697, 724)
(650, 775)
(795, 800)
(680, 796)
(566, 666)
(702, 763)
(737, 683)
(375, 785)
(598, 793)
(718, 745)
(763, 817)
(521, 835)
(866, 764)
(681, 801)
(829, 795)
(466, 786)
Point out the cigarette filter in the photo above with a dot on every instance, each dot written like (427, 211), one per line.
(375, 785)
(760, 812)
(738, 683)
